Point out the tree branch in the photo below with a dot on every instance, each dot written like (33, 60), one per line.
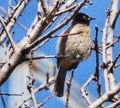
(8, 34)
(105, 97)
(10, 22)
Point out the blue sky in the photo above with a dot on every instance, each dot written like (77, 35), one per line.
(85, 69)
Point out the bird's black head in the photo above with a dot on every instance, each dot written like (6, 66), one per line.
(83, 18)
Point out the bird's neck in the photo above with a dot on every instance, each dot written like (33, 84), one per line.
(84, 23)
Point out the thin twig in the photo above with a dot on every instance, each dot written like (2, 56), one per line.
(8, 34)
(42, 103)
(112, 65)
(22, 26)
(45, 57)
(41, 44)
(114, 105)
(66, 34)
(66, 10)
(9, 6)
(83, 90)
(10, 21)
(106, 96)
(41, 87)
(69, 83)
(44, 6)
(97, 74)
(10, 94)
(3, 101)
(53, 36)
(62, 8)
(31, 83)
(48, 35)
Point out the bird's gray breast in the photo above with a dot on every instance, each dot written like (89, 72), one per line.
(78, 46)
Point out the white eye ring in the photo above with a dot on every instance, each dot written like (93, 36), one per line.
(84, 17)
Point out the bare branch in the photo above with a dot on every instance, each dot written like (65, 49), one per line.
(44, 6)
(45, 57)
(10, 94)
(8, 34)
(3, 101)
(66, 10)
(83, 90)
(111, 20)
(105, 97)
(69, 83)
(108, 33)
(9, 6)
(41, 87)
(46, 38)
(43, 28)
(30, 85)
(10, 22)
(97, 73)
(22, 26)
(114, 105)
(42, 103)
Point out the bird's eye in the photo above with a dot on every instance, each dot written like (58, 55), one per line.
(84, 17)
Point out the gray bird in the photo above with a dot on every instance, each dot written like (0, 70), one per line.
(76, 48)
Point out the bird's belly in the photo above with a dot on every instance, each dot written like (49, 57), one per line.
(79, 49)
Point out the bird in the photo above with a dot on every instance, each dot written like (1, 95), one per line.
(76, 46)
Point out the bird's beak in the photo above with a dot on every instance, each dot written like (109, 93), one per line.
(91, 18)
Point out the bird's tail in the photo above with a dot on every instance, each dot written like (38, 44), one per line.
(59, 85)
